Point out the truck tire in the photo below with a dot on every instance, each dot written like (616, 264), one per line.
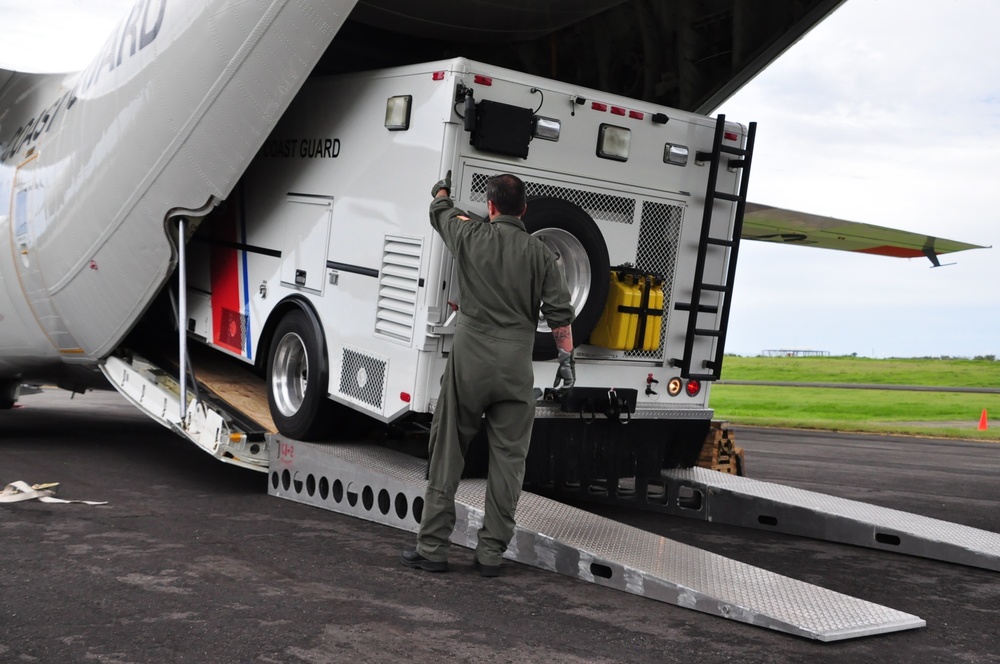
(8, 394)
(573, 236)
(297, 377)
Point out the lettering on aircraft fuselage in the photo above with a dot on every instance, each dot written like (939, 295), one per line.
(303, 148)
(137, 32)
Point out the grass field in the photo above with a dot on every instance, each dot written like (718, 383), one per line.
(945, 414)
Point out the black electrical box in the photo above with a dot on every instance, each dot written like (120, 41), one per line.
(502, 128)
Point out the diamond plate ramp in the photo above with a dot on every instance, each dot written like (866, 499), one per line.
(741, 501)
(387, 487)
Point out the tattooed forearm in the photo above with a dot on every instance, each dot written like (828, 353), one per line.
(563, 337)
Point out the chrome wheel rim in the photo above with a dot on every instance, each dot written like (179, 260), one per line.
(289, 374)
(573, 261)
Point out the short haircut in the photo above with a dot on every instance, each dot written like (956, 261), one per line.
(507, 193)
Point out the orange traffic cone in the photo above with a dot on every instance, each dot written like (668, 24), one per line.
(983, 424)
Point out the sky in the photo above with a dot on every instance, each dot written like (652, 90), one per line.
(887, 113)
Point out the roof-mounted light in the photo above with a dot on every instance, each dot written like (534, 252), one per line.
(397, 113)
(613, 142)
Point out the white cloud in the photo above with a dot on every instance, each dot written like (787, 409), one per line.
(55, 35)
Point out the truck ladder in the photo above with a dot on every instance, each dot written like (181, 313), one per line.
(387, 487)
(740, 501)
(695, 307)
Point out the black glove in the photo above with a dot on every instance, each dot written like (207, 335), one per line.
(566, 371)
(442, 184)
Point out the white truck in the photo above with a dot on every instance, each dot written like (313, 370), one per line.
(322, 268)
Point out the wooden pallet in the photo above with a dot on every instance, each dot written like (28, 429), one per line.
(234, 383)
(720, 452)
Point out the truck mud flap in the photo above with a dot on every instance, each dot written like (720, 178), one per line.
(387, 487)
(607, 460)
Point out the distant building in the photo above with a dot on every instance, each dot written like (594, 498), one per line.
(793, 352)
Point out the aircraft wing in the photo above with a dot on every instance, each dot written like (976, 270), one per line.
(771, 224)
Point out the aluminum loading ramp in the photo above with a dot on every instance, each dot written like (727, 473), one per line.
(387, 487)
(740, 501)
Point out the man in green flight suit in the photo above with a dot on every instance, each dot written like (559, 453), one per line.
(503, 274)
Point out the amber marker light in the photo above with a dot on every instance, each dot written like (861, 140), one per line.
(675, 386)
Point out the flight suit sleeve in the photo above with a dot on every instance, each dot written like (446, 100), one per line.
(557, 306)
(450, 222)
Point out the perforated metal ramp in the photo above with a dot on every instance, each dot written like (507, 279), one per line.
(379, 485)
(741, 501)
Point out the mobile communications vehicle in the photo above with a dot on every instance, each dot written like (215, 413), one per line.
(323, 268)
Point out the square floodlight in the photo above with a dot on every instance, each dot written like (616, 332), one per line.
(547, 128)
(613, 142)
(675, 154)
(397, 113)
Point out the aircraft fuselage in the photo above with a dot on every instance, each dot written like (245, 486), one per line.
(95, 165)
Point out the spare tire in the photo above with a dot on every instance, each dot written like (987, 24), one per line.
(574, 238)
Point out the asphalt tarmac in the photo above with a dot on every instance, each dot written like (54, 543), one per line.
(192, 561)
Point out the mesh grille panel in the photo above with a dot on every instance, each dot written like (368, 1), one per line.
(363, 378)
(599, 206)
(659, 237)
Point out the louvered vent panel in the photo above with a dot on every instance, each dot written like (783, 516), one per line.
(398, 281)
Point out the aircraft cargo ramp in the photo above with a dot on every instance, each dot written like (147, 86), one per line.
(387, 487)
(741, 501)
